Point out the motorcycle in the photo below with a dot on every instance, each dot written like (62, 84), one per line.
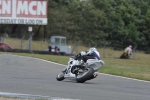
(79, 71)
(125, 55)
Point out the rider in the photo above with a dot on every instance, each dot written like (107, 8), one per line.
(92, 53)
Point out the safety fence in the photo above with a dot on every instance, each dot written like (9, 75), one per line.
(25, 45)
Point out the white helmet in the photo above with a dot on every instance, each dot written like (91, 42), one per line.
(92, 49)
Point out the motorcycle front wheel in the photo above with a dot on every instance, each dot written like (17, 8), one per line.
(85, 75)
(60, 76)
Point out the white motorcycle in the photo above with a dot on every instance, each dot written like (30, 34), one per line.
(80, 71)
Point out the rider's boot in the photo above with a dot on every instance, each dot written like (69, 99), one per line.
(95, 74)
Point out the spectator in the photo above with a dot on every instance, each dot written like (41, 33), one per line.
(128, 50)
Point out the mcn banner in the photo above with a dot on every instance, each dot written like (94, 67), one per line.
(33, 12)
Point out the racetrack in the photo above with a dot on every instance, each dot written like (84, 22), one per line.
(37, 77)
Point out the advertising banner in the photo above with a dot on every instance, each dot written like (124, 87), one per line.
(33, 12)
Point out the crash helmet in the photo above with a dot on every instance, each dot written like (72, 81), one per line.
(94, 52)
(92, 49)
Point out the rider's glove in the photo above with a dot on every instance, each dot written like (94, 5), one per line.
(82, 53)
(77, 56)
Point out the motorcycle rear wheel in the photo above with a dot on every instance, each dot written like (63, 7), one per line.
(82, 77)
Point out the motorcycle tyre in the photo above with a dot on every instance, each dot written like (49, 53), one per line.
(86, 77)
(60, 77)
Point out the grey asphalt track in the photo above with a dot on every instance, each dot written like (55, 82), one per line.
(32, 76)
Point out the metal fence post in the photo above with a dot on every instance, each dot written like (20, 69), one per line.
(134, 52)
(104, 50)
(30, 38)
(22, 42)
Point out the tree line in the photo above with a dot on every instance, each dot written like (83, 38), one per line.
(94, 22)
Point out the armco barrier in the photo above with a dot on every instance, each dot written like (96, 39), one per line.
(37, 52)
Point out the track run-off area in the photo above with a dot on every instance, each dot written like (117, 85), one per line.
(26, 75)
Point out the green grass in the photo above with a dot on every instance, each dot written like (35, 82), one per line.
(16, 43)
(138, 68)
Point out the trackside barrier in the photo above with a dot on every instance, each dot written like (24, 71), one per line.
(38, 52)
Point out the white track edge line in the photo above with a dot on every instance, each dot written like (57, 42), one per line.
(33, 96)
